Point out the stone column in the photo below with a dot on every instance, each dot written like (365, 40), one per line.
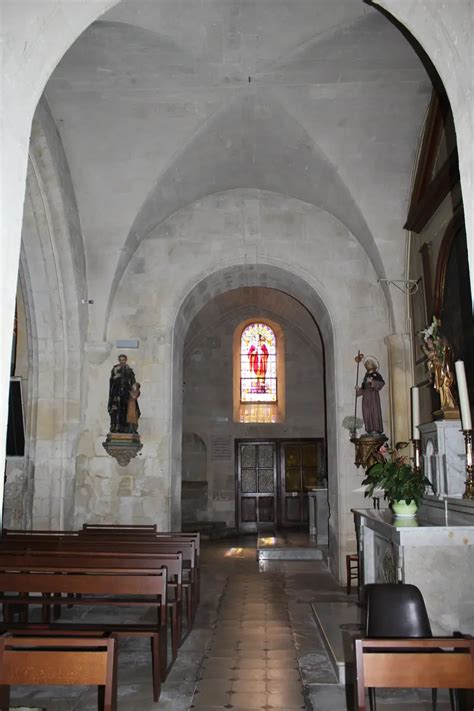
(399, 379)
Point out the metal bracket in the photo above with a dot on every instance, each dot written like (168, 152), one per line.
(409, 286)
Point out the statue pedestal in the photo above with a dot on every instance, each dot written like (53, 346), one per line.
(444, 456)
(122, 446)
(367, 447)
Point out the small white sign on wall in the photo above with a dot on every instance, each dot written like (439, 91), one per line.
(221, 448)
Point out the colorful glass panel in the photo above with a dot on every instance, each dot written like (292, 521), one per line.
(258, 379)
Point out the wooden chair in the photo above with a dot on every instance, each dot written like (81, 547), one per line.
(436, 663)
(352, 570)
(51, 660)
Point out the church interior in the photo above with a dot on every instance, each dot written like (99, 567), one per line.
(238, 273)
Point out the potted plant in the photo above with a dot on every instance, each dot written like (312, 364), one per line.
(402, 485)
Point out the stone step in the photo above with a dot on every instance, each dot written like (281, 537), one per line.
(210, 530)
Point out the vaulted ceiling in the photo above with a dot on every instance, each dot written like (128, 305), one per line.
(162, 102)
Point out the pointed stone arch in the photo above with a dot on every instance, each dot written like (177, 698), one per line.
(53, 282)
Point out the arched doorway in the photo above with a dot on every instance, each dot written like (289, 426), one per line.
(260, 418)
(298, 297)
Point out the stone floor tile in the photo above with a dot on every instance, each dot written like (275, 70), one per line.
(207, 685)
(283, 672)
(283, 685)
(282, 663)
(246, 663)
(250, 674)
(249, 700)
(211, 697)
(287, 653)
(250, 686)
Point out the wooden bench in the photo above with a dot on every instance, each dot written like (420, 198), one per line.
(163, 544)
(124, 527)
(51, 660)
(435, 663)
(110, 533)
(98, 589)
(172, 562)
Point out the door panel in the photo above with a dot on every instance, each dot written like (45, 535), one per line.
(264, 495)
(256, 485)
(302, 469)
(292, 510)
(266, 510)
(249, 510)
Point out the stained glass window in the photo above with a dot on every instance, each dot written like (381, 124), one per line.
(258, 378)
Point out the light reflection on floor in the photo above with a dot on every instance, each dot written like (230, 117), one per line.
(234, 553)
(267, 541)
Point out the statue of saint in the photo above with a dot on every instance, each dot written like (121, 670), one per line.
(369, 391)
(440, 365)
(122, 378)
(133, 411)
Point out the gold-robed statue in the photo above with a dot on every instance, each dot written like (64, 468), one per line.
(440, 366)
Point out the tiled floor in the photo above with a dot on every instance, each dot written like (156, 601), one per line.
(251, 662)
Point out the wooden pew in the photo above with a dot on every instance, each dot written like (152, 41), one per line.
(105, 561)
(164, 544)
(146, 590)
(125, 527)
(106, 532)
(435, 663)
(47, 660)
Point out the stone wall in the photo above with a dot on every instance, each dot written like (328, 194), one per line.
(258, 239)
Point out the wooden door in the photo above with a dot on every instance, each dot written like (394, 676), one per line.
(256, 485)
(302, 469)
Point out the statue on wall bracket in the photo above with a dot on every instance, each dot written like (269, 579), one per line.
(368, 445)
(123, 441)
(439, 360)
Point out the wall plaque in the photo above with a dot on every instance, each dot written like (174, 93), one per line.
(221, 448)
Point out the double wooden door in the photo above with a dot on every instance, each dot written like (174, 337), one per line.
(273, 479)
(256, 485)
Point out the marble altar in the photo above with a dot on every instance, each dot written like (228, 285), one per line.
(434, 551)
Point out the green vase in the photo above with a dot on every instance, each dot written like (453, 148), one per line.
(403, 510)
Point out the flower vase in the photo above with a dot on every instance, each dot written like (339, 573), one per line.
(403, 510)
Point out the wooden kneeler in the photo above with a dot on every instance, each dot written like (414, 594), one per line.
(59, 660)
(435, 663)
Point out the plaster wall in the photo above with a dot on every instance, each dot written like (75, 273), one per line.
(445, 33)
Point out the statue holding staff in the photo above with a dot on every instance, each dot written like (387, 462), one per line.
(369, 391)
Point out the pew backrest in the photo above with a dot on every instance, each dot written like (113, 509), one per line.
(435, 663)
(49, 660)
